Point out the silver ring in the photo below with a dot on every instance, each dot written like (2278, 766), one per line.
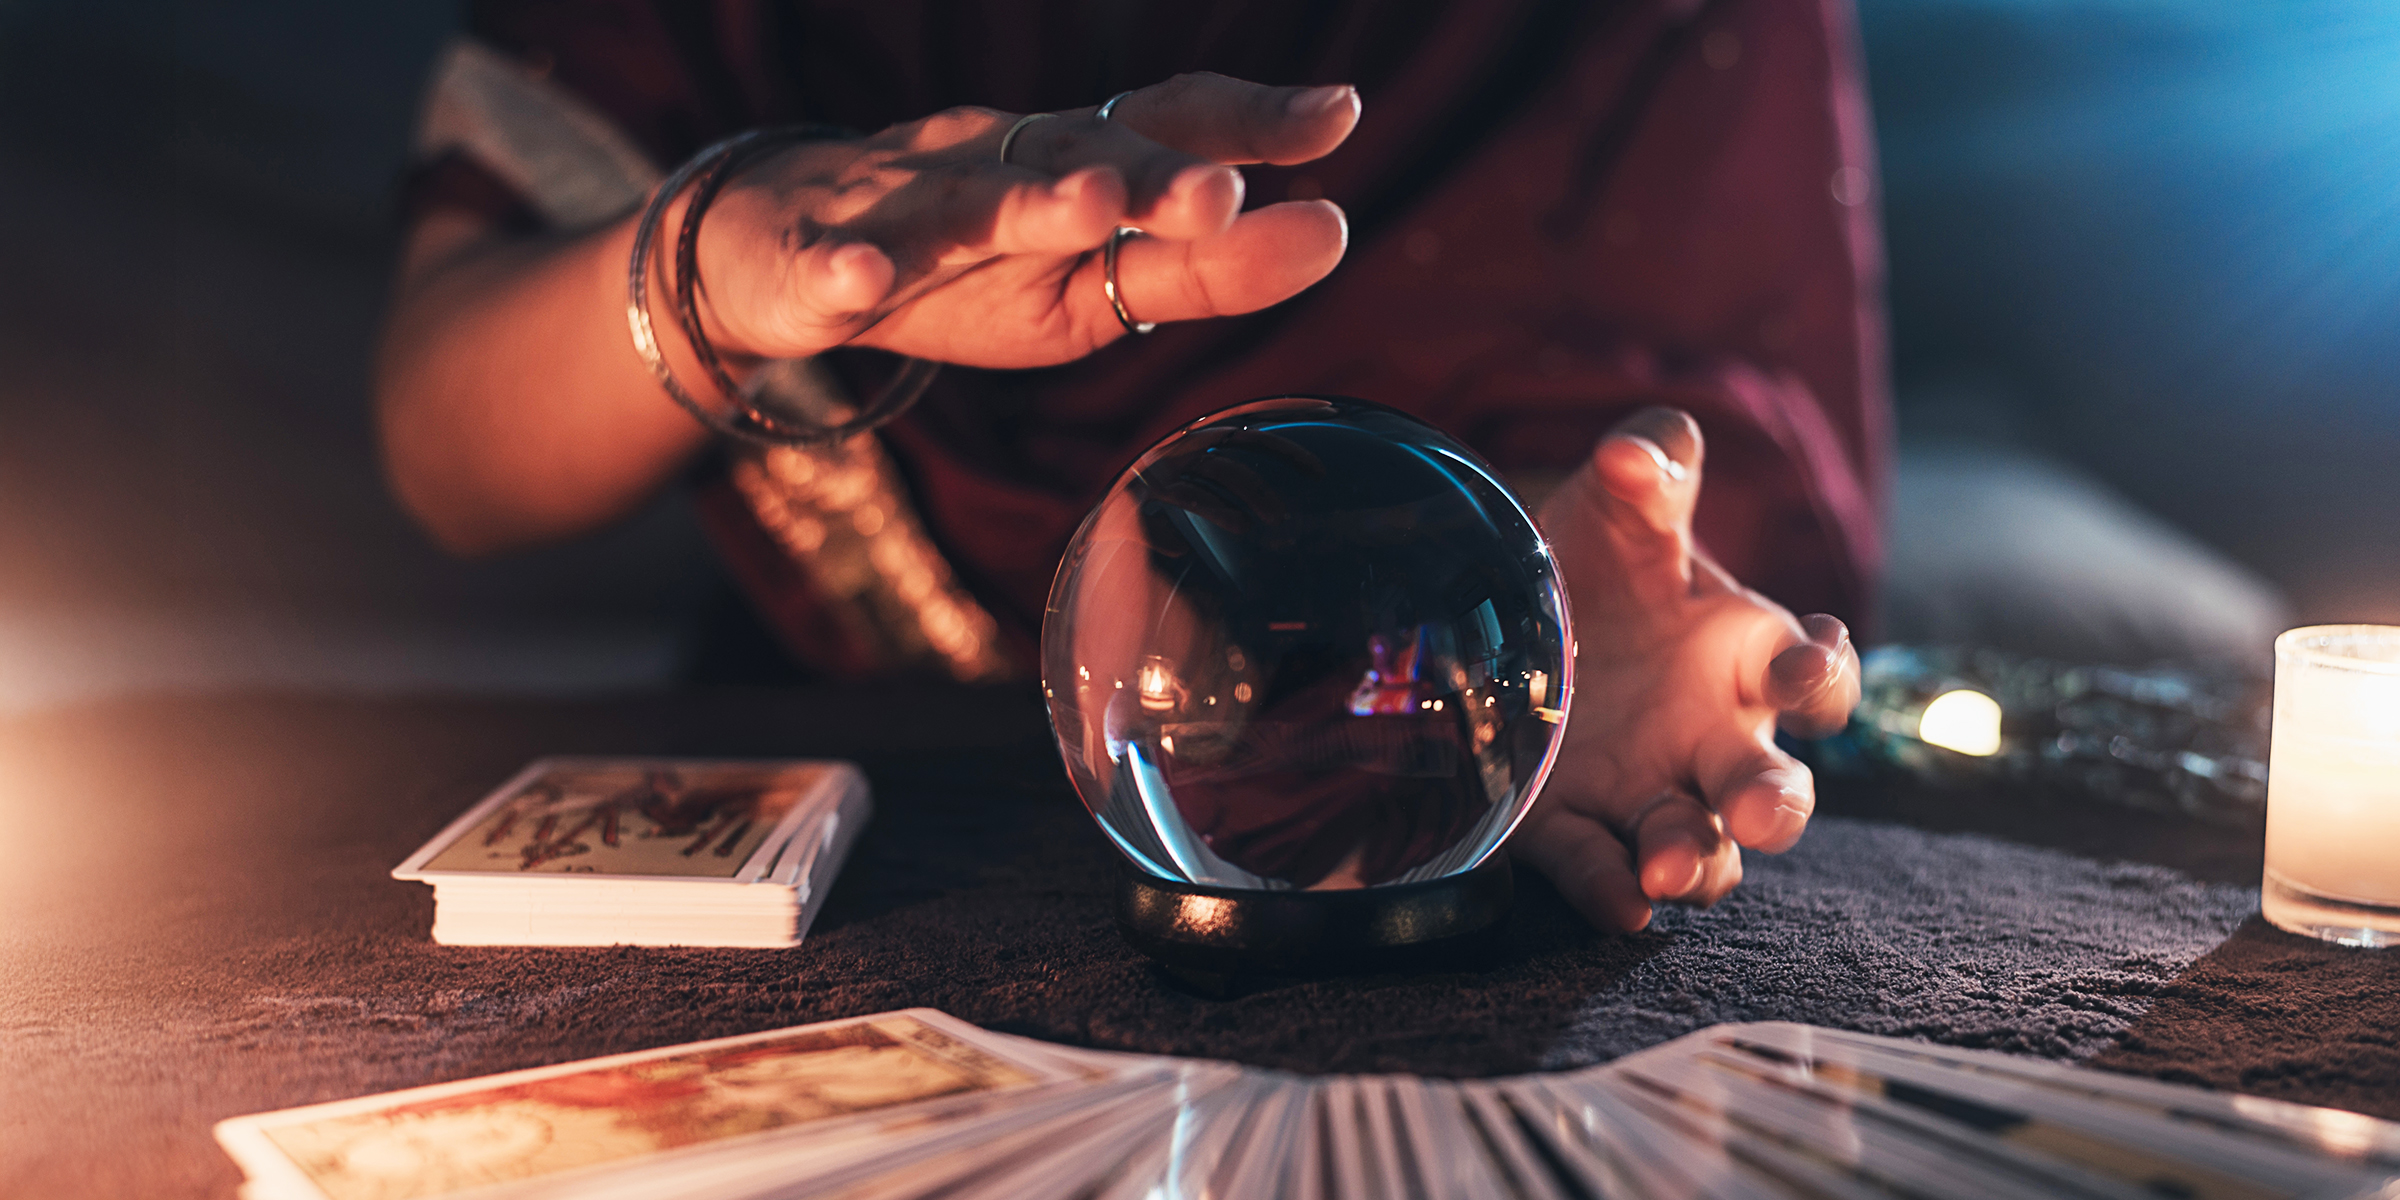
(1010, 138)
(1110, 107)
(1108, 280)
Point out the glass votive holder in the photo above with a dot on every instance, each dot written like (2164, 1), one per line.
(2333, 786)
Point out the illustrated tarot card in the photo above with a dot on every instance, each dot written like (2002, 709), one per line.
(576, 1123)
(635, 818)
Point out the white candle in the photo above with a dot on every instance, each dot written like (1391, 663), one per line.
(2333, 785)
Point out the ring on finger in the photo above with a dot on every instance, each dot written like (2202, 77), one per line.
(1109, 107)
(1108, 279)
(1629, 830)
(1010, 138)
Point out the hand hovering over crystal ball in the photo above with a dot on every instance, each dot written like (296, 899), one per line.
(1682, 677)
(513, 413)
(1308, 643)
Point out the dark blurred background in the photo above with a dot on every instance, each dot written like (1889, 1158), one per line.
(2145, 281)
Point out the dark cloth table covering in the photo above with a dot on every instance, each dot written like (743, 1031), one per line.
(199, 924)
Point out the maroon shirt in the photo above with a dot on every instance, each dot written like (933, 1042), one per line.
(1561, 210)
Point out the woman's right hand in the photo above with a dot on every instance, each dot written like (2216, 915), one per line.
(920, 241)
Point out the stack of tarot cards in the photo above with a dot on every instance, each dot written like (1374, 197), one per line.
(917, 1104)
(644, 852)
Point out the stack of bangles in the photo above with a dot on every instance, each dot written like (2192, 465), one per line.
(747, 421)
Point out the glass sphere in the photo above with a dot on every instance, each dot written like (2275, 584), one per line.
(1307, 643)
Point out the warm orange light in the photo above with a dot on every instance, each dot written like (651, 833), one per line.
(1963, 720)
(1154, 683)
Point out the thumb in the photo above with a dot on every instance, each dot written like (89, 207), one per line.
(828, 291)
(1635, 496)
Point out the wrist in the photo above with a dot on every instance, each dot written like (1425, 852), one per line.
(733, 409)
(753, 238)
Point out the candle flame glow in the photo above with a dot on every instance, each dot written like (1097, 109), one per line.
(1156, 684)
(1963, 720)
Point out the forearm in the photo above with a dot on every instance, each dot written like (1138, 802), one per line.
(514, 409)
(512, 406)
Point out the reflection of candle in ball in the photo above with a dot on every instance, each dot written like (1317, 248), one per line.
(1155, 684)
(2333, 784)
(1963, 720)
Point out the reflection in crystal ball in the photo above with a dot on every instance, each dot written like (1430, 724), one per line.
(1307, 643)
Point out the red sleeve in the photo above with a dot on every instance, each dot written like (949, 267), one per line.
(1679, 211)
(1640, 202)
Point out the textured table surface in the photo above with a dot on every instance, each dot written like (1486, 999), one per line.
(200, 925)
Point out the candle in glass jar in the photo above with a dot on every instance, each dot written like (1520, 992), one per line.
(2333, 785)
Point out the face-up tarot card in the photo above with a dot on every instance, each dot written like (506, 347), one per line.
(579, 1123)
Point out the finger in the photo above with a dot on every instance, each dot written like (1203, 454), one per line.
(1763, 795)
(827, 291)
(1634, 487)
(962, 213)
(1651, 462)
(841, 281)
(1815, 683)
(840, 275)
(1196, 201)
(1637, 492)
(1683, 852)
(1268, 256)
(1230, 120)
(1068, 215)
(1591, 869)
(1672, 430)
(1170, 194)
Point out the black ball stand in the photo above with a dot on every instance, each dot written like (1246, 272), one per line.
(1218, 940)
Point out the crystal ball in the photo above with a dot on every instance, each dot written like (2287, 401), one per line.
(1307, 643)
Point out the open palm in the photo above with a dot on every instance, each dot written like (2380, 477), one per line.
(919, 240)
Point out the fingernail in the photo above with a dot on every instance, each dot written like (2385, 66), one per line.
(1670, 887)
(1195, 180)
(1201, 175)
(1666, 466)
(1800, 672)
(1316, 100)
(1825, 630)
(1791, 816)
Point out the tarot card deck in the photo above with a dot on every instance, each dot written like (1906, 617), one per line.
(644, 852)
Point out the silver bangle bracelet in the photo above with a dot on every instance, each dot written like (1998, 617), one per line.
(746, 421)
